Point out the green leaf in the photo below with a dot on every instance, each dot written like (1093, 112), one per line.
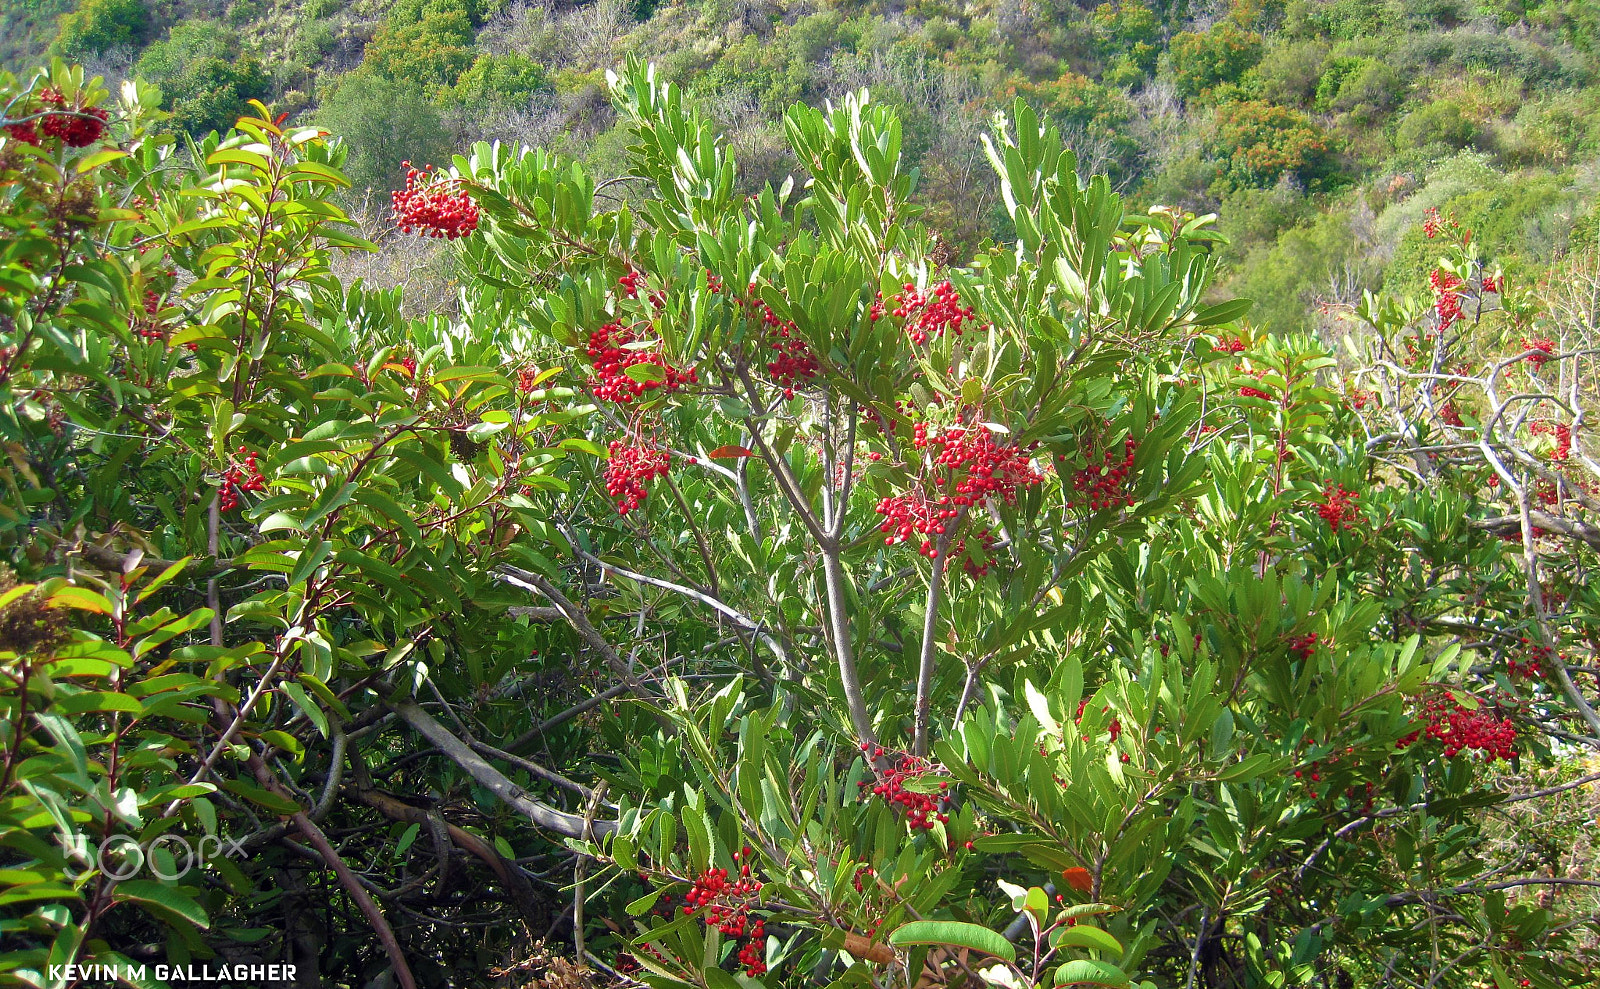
(1088, 936)
(1084, 972)
(82, 599)
(645, 373)
(642, 905)
(698, 830)
(957, 933)
(261, 796)
(1222, 312)
(160, 898)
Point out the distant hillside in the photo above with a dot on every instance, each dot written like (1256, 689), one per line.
(1319, 130)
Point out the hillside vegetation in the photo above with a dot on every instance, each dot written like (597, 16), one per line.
(1319, 131)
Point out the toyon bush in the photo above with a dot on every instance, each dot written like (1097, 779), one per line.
(733, 593)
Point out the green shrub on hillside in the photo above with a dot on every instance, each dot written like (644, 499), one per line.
(1128, 30)
(432, 52)
(385, 122)
(501, 82)
(99, 25)
(1259, 143)
(1202, 62)
(205, 81)
(1290, 73)
(1438, 122)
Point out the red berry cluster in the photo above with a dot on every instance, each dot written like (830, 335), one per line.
(629, 468)
(1114, 729)
(1493, 283)
(76, 126)
(1359, 399)
(26, 132)
(865, 870)
(1312, 773)
(1303, 646)
(892, 771)
(967, 463)
(434, 205)
(932, 314)
(713, 282)
(1561, 432)
(611, 356)
(629, 283)
(1543, 349)
(1234, 345)
(979, 464)
(1430, 222)
(1338, 507)
(1447, 296)
(239, 478)
(915, 513)
(1533, 665)
(793, 361)
(727, 906)
(147, 326)
(1102, 485)
(1450, 415)
(1420, 346)
(1251, 391)
(1459, 729)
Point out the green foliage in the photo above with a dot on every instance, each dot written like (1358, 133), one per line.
(500, 82)
(295, 556)
(432, 51)
(312, 41)
(1289, 272)
(204, 80)
(1291, 73)
(386, 122)
(1440, 122)
(1200, 62)
(1129, 30)
(98, 25)
(1260, 143)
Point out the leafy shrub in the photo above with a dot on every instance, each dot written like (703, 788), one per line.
(211, 94)
(808, 556)
(1343, 20)
(317, 10)
(1259, 143)
(1440, 122)
(431, 52)
(98, 25)
(502, 82)
(385, 122)
(312, 41)
(204, 81)
(1368, 92)
(1127, 31)
(242, 12)
(1201, 62)
(1290, 73)
(1555, 129)
(1291, 272)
